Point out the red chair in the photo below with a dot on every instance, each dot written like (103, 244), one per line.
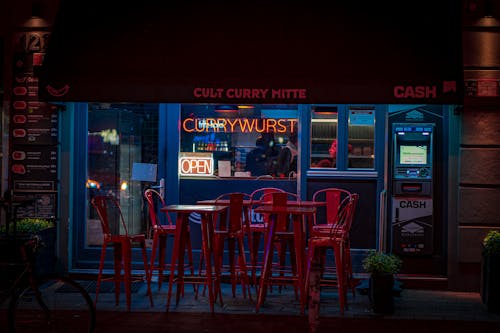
(160, 234)
(335, 199)
(337, 238)
(256, 231)
(231, 229)
(332, 198)
(115, 233)
(278, 273)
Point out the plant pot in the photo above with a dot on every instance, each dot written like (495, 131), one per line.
(45, 259)
(380, 292)
(490, 282)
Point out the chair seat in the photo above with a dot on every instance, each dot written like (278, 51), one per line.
(165, 229)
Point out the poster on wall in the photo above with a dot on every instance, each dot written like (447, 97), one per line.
(41, 205)
(412, 227)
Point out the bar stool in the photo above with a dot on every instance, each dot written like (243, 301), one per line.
(335, 199)
(281, 236)
(256, 231)
(231, 229)
(335, 238)
(109, 210)
(160, 234)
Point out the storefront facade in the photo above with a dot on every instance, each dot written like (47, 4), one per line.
(184, 114)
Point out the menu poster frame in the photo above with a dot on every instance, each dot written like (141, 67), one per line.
(36, 205)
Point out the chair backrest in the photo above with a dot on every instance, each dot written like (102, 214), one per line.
(263, 193)
(154, 200)
(334, 198)
(110, 214)
(235, 218)
(280, 199)
(345, 216)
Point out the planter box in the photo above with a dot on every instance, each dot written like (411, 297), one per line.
(490, 282)
(380, 293)
(45, 261)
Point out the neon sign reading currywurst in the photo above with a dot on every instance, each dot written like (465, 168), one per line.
(242, 125)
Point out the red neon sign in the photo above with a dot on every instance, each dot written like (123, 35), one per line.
(241, 125)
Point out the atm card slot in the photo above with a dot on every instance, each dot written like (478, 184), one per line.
(411, 188)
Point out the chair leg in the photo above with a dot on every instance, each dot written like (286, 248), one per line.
(255, 250)
(162, 240)
(232, 271)
(118, 262)
(127, 270)
(242, 264)
(190, 257)
(153, 257)
(340, 277)
(147, 271)
(99, 276)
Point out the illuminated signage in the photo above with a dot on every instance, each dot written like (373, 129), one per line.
(241, 125)
(250, 93)
(196, 164)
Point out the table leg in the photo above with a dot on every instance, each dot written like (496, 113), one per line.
(207, 245)
(267, 261)
(175, 255)
(182, 249)
(299, 255)
(314, 294)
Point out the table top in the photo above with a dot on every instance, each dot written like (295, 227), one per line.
(194, 208)
(285, 209)
(302, 203)
(223, 202)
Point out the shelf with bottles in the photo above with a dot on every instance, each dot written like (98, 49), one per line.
(222, 146)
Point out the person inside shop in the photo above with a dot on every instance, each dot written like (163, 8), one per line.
(332, 161)
(287, 159)
(256, 159)
(260, 159)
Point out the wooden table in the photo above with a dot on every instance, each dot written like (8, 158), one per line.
(207, 213)
(300, 214)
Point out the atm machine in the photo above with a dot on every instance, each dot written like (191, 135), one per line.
(412, 188)
(417, 200)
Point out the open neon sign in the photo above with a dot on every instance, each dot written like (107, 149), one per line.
(241, 125)
(196, 164)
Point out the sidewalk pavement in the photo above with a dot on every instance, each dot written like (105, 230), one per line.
(415, 311)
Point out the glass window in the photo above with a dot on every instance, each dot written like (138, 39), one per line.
(361, 138)
(238, 140)
(122, 147)
(324, 125)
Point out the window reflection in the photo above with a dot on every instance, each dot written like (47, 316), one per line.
(238, 140)
(119, 136)
(361, 138)
(324, 125)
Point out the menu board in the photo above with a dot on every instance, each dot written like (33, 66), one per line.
(34, 168)
(34, 123)
(33, 155)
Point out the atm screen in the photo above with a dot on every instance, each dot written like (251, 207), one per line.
(413, 155)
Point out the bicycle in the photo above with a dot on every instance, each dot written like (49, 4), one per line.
(53, 303)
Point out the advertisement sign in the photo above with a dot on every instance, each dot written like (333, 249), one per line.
(412, 225)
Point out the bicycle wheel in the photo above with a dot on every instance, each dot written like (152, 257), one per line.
(59, 305)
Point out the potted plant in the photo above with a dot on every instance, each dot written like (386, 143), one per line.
(382, 268)
(29, 227)
(490, 271)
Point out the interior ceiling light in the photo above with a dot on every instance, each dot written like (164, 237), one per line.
(226, 108)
